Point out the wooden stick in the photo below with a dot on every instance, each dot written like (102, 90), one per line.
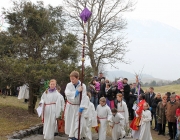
(82, 79)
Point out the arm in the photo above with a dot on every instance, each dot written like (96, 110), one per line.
(157, 109)
(84, 101)
(126, 113)
(147, 117)
(58, 106)
(70, 94)
(109, 114)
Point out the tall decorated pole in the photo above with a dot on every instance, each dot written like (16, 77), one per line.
(85, 15)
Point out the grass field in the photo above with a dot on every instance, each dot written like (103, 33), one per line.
(164, 89)
(14, 116)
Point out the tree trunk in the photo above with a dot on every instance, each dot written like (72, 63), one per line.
(32, 101)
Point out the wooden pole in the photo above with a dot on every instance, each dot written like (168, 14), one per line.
(82, 77)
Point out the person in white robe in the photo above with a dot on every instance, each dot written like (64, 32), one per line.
(90, 116)
(51, 103)
(117, 124)
(73, 106)
(145, 130)
(103, 115)
(23, 92)
(123, 110)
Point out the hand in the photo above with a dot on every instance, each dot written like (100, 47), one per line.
(80, 88)
(122, 90)
(80, 113)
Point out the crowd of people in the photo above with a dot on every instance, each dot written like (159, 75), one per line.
(113, 103)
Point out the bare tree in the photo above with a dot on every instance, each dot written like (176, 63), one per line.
(106, 43)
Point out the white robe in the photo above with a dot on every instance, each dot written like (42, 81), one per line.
(90, 116)
(104, 114)
(51, 112)
(117, 122)
(145, 132)
(62, 109)
(23, 92)
(72, 109)
(123, 110)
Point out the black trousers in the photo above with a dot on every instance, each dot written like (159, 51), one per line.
(172, 129)
(131, 111)
(162, 128)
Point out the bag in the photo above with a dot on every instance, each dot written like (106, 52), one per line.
(61, 124)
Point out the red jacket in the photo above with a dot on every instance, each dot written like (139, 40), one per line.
(178, 112)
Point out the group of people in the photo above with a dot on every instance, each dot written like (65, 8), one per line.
(108, 103)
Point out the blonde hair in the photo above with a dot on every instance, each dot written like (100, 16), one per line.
(157, 95)
(89, 95)
(102, 99)
(121, 96)
(74, 74)
(146, 104)
(52, 80)
(58, 88)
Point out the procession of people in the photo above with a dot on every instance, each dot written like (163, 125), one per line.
(124, 108)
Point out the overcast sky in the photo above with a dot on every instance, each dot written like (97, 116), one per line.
(164, 11)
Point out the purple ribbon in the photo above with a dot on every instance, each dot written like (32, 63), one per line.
(51, 90)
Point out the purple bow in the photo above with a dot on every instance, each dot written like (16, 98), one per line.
(85, 15)
(51, 90)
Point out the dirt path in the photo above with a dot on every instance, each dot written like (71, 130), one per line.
(159, 137)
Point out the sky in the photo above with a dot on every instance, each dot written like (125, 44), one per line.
(164, 11)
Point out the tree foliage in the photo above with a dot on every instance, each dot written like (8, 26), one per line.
(36, 46)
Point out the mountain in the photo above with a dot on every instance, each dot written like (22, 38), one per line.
(153, 44)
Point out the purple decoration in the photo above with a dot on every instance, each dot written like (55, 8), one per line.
(85, 15)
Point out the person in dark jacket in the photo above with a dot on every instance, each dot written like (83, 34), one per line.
(110, 95)
(102, 88)
(132, 99)
(149, 98)
(126, 91)
(161, 115)
(94, 95)
(155, 102)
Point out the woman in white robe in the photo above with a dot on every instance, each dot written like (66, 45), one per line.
(145, 130)
(51, 103)
(71, 114)
(117, 123)
(103, 115)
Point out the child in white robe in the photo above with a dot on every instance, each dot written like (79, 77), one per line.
(103, 115)
(51, 103)
(117, 124)
(145, 130)
(123, 110)
(73, 106)
(90, 116)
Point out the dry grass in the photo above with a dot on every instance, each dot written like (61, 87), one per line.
(14, 116)
(164, 89)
